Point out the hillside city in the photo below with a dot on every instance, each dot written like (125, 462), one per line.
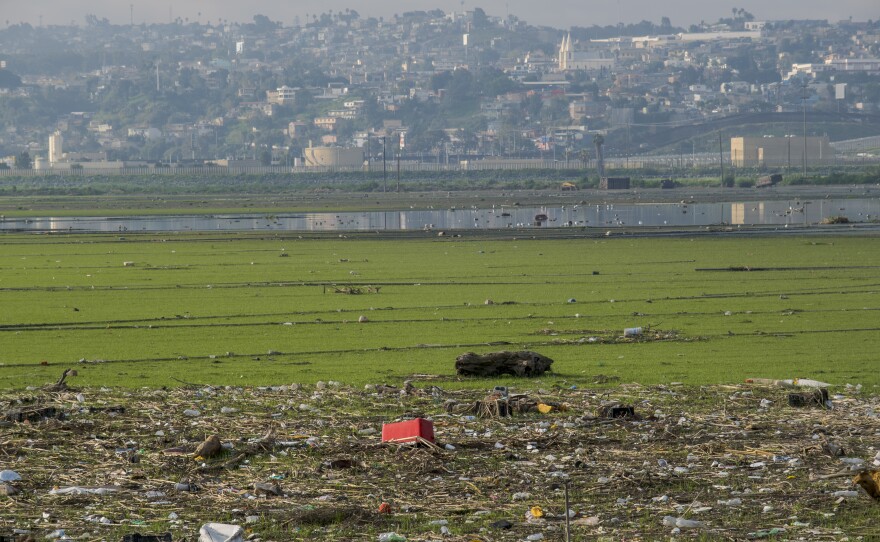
(427, 86)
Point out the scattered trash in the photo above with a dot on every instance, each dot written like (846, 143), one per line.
(34, 414)
(617, 411)
(269, 489)
(523, 363)
(632, 332)
(766, 533)
(391, 537)
(818, 397)
(501, 524)
(744, 463)
(408, 431)
(845, 494)
(682, 523)
(790, 383)
(338, 464)
(384, 508)
(9, 476)
(77, 490)
(138, 537)
(220, 532)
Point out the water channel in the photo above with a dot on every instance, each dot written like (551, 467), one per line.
(619, 215)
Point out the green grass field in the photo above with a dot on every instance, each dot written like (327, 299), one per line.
(247, 310)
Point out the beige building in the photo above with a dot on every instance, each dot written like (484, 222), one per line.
(281, 96)
(779, 151)
(56, 141)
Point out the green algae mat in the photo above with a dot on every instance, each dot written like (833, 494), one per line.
(245, 309)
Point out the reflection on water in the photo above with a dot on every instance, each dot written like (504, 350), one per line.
(793, 212)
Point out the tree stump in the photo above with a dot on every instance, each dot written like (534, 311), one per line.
(524, 363)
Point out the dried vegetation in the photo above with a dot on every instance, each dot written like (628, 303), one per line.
(292, 462)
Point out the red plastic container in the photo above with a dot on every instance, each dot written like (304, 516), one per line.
(408, 431)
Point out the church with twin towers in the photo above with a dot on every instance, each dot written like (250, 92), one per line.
(573, 59)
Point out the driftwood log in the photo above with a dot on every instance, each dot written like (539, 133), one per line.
(524, 363)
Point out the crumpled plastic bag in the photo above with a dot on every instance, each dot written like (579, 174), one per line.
(77, 490)
(220, 532)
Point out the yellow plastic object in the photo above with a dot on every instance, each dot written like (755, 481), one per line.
(537, 512)
(544, 409)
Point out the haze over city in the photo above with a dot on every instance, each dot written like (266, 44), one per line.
(557, 13)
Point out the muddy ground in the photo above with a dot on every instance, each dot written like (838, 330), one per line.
(736, 459)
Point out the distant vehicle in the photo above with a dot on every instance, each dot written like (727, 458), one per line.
(768, 180)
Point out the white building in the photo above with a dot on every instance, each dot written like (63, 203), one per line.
(570, 59)
(56, 142)
(281, 96)
(834, 64)
(753, 35)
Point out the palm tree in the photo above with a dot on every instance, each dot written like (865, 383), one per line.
(598, 141)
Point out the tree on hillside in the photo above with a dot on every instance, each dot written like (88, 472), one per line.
(23, 160)
(480, 18)
(9, 79)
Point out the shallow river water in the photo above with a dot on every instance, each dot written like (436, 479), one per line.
(791, 212)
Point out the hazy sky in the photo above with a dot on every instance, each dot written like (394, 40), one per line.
(557, 13)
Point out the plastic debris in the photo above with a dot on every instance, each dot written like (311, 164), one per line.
(544, 409)
(502, 524)
(682, 523)
(138, 537)
(77, 490)
(9, 476)
(220, 532)
(766, 533)
(391, 537)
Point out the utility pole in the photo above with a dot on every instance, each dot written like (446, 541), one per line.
(384, 167)
(399, 152)
(721, 159)
(805, 129)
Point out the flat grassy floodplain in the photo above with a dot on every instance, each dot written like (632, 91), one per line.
(158, 310)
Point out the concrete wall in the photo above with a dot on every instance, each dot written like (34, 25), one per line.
(779, 151)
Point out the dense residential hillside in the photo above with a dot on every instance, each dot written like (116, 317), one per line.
(461, 84)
